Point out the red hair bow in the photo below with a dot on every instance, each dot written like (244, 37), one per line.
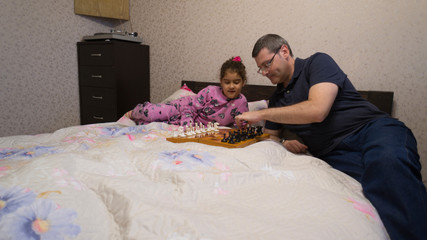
(237, 59)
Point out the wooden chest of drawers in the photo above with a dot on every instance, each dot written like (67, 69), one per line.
(114, 76)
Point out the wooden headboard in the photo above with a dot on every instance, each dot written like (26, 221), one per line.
(382, 99)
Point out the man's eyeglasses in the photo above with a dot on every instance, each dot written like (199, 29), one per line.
(267, 66)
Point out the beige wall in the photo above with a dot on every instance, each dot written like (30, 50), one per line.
(38, 64)
(381, 45)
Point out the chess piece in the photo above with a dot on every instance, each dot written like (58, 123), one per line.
(259, 130)
(175, 134)
(232, 139)
(197, 129)
(224, 139)
(209, 127)
(238, 137)
(202, 128)
(216, 127)
(190, 131)
(181, 131)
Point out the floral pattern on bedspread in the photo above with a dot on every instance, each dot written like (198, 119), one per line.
(185, 159)
(23, 215)
(87, 137)
(111, 181)
(25, 153)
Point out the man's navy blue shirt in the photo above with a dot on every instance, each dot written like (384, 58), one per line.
(349, 111)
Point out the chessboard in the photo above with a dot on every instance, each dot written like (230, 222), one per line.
(229, 138)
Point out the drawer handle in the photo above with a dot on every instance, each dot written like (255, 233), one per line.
(95, 54)
(96, 76)
(96, 97)
(98, 118)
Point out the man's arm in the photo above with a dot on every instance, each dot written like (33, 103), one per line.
(320, 99)
(274, 134)
(294, 146)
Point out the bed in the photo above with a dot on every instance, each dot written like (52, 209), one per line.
(116, 180)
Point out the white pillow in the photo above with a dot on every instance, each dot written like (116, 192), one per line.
(257, 105)
(182, 92)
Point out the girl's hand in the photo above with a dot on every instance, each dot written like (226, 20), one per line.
(295, 146)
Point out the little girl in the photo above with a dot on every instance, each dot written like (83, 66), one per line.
(212, 104)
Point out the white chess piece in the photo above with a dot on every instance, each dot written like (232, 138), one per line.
(202, 128)
(175, 134)
(216, 126)
(198, 128)
(181, 131)
(190, 131)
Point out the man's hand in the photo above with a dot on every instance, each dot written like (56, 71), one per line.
(295, 146)
(248, 117)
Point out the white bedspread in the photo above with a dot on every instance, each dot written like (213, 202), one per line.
(109, 181)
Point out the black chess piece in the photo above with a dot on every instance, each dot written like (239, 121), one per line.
(237, 136)
(231, 140)
(259, 130)
(244, 135)
(225, 138)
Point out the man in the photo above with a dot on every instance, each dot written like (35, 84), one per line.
(315, 100)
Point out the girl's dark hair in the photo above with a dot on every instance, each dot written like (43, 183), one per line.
(234, 64)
